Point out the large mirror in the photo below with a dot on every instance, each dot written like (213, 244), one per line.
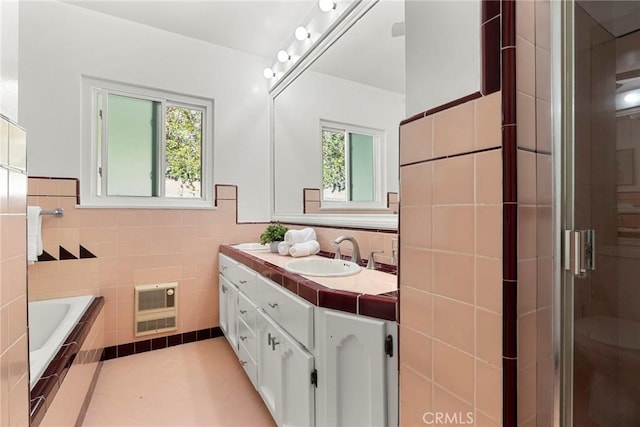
(336, 127)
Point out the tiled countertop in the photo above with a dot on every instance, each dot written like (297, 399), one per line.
(370, 292)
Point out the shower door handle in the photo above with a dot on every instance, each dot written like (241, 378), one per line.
(579, 251)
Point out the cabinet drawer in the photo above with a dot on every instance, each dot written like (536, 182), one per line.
(249, 365)
(290, 311)
(246, 280)
(227, 266)
(247, 311)
(247, 338)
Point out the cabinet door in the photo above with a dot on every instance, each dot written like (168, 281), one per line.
(351, 363)
(228, 306)
(284, 375)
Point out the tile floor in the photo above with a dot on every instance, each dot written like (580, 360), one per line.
(196, 384)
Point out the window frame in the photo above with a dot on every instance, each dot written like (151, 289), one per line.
(379, 166)
(91, 195)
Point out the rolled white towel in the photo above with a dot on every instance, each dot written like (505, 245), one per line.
(311, 247)
(299, 236)
(283, 248)
(34, 234)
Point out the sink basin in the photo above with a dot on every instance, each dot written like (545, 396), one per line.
(322, 267)
(251, 247)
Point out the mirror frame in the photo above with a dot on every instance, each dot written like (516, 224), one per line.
(332, 34)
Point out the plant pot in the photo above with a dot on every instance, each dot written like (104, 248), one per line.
(273, 247)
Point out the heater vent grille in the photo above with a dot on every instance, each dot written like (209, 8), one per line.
(156, 308)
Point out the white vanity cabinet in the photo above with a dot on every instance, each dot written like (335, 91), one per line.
(312, 366)
(357, 370)
(228, 302)
(285, 371)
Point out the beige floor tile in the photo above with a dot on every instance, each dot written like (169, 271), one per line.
(196, 384)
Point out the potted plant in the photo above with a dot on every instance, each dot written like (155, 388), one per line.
(273, 234)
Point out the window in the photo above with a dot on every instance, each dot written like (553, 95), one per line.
(149, 148)
(352, 171)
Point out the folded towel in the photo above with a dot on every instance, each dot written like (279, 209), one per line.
(299, 236)
(34, 234)
(311, 247)
(283, 248)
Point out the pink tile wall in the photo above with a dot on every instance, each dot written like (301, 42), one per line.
(535, 356)
(134, 247)
(367, 241)
(14, 363)
(451, 263)
(312, 204)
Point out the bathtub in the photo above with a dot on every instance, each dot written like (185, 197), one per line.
(50, 323)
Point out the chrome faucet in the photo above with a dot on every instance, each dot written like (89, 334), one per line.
(355, 254)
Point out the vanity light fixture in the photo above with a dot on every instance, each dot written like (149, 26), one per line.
(327, 5)
(302, 33)
(268, 73)
(283, 56)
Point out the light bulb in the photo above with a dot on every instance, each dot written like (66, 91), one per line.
(326, 5)
(283, 56)
(268, 73)
(632, 98)
(302, 33)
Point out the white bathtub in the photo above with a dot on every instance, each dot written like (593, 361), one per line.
(50, 323)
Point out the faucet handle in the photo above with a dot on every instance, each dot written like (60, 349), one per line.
(371, 263)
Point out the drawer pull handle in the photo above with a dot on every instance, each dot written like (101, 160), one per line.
(243, 311)
(224, 267)
(242, 362)
(274, 343)
(243, 282)
(224, 289)
(243, 338)
(274, 305)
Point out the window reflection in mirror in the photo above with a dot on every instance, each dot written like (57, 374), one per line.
(356, 87)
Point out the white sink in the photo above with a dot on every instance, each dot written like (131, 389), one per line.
(251, 247)
(322, 267)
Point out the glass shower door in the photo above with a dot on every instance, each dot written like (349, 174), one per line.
(602, 185)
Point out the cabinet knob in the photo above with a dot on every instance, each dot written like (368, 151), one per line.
(243, 311)
(272, 305)
(243, 282)
(243, 338)
(224, 289)
(224, 267)
(243, 362)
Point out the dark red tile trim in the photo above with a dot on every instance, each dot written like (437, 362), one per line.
(509, 86)
(510, 216)
(382, 307)
(46, 388)
(370, 230)
(490, 32)
(442, 107)
(490, 9)
(338, 300)
(151, 344)
(509, 391)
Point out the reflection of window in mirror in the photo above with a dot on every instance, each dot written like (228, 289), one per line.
(352, 167)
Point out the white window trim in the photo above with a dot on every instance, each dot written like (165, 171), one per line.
(89, 154)
(380, 167)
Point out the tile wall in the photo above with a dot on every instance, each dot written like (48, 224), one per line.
(451, 263)
(14, 364)
(534, 189)
(107, 252)
(311, 204)
(368, 240)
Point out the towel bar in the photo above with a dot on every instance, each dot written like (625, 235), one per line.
(57, 212)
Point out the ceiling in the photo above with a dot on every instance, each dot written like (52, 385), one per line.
(258, 27)
(262, 27)
(619, 17)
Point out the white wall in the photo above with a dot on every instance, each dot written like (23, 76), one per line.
(59, 43)
(442, 51)
(298, 110)
(9, 59)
